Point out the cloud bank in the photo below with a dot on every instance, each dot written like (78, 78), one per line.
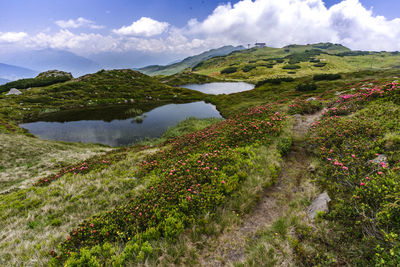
(77, 23)
(275, 22)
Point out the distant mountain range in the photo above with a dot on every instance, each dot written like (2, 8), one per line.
(189, 61)
(11, 73)
(3, 81)
(48, 59)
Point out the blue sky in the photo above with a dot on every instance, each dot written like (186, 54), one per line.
(36, 15)
(184, 27)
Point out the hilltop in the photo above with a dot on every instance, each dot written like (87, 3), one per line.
(189, 61)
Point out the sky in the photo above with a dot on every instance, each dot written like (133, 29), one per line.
(186, 27)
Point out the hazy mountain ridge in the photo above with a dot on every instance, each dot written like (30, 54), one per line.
(189, 61)
(46, 59)
(11, 72)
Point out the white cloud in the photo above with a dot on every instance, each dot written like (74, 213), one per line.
(79, 22)
(276, 22)
(83, 43)
(12, 37)
(143, 27)
(282, 22)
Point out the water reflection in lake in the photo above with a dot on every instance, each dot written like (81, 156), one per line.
(220, 87)
(119, 132)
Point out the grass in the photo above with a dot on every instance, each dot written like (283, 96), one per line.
(24, 159)
(36, 219)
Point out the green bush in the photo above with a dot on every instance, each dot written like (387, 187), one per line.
(305, 87)
(229, 70)
(33, 82)
(327, 77)
(320, 64)
(274, 81)
(291, 67)
(248, 68)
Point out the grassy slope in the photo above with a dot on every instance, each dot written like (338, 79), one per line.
(24, 159)
(260, 58)
(187, 62)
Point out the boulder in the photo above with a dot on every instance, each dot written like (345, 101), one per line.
(320, 203)
(14, 91)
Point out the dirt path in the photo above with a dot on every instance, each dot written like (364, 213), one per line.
(230, 246)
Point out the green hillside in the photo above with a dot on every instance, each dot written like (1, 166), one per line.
(294, 61)
(114, 87)
(188, 62)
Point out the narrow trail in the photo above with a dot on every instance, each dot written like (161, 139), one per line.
(230, 246)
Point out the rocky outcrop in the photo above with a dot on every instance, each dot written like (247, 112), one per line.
(54, 74)
(14, 91)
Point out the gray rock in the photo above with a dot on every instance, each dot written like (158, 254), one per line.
(311, 168)
(381, 158)
(319, 204)
(14, 91)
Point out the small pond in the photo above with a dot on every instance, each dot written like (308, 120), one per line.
(220, 87)
(91, 127)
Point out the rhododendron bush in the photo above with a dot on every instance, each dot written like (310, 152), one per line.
(189, 176)
(361, 160)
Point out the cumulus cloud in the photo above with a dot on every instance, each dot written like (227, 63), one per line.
(282, 22)
(79, 22)
(82, 43)
(275, 22)
(143, 27)
(11, 37)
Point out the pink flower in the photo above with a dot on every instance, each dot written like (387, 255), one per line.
(223, 182)
(380, 173)
(345, 168)
(329, 159)
(362, 184)
(354, 156)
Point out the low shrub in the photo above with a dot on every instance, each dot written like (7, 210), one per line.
(305, 107)
(327, 77)
(229, 70)
(274, 81)
(291, 67)
(248, 68)
(320, 64)
(305, 87)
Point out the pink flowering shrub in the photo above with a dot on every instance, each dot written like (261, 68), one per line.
(193, 175)
(365, 193)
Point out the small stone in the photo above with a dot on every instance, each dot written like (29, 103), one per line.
(311, 168)
(320, 203)
(379, 159)
(311, 99)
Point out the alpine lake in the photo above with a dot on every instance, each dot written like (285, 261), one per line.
(123, 125)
